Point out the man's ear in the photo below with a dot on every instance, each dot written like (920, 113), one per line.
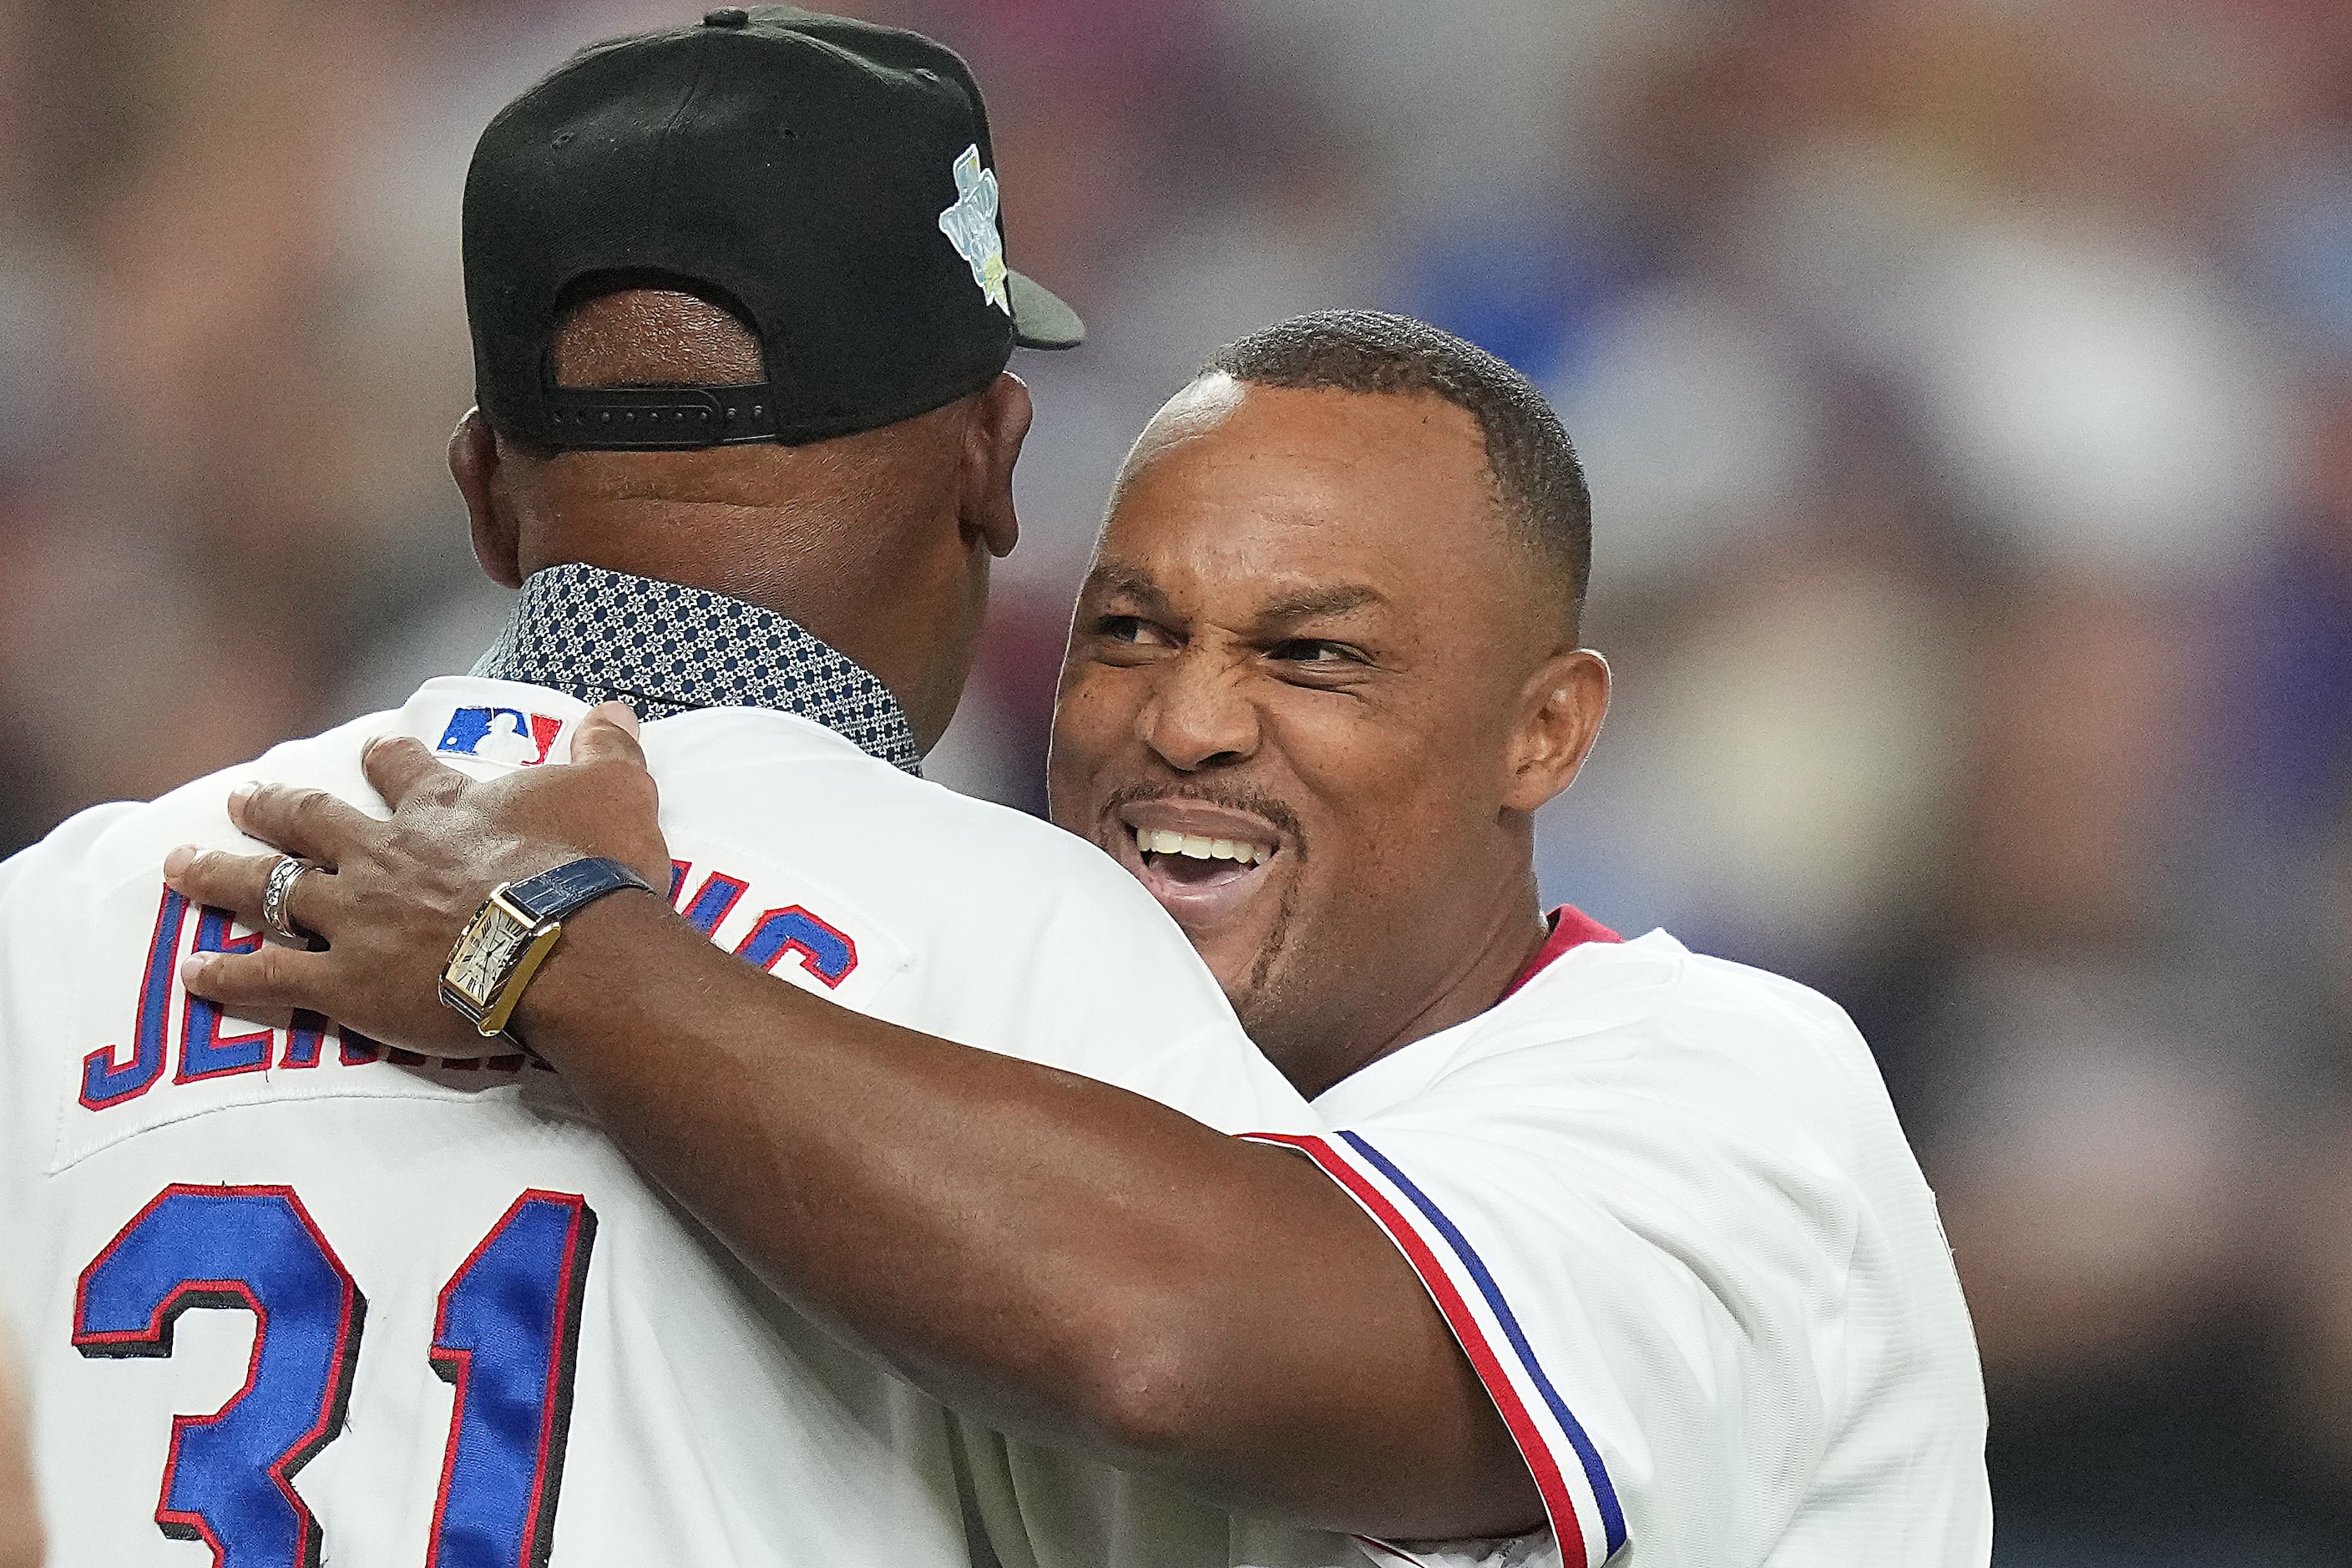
(999, 423)
(474, 460)
(1560, 709)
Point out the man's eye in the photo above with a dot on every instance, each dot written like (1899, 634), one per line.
(1132, 629)
(1314, 650)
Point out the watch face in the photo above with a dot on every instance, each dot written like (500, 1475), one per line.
(484, 956)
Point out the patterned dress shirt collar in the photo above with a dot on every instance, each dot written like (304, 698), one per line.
(663, 650)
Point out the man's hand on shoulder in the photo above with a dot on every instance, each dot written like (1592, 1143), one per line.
(388, 900)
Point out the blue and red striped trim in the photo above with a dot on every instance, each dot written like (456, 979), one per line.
(1578, 1497)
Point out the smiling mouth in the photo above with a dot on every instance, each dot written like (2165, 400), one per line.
(1190, 861)
(1203, 882)
(1206, 857)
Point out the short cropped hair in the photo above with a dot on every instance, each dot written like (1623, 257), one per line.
(1528, 456)
(725, 350)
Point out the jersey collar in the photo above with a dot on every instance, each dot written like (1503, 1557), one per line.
(1405, 1072)
(1571, 927)
(664, 649)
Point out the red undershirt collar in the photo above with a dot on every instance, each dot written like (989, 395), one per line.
(1571, 927)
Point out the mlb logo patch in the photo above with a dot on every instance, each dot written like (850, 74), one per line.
(499, 735)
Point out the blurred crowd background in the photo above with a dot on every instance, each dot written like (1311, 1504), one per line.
(1966, 387)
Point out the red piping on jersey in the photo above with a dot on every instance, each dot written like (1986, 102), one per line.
(1571, 927)
(1543, 1465)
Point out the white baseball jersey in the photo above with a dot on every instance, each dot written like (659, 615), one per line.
(287, 1298)
(1666, 1205)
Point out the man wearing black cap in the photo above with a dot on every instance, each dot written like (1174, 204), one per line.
(745, 443)
(832, 182)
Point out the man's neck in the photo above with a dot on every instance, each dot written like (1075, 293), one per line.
(1483, 971)
(664, 648)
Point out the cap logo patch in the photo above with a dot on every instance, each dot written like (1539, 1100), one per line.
(969, 224)
(499, 735)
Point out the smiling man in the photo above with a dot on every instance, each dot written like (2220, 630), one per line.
(1317, 718)
(1614, 1243)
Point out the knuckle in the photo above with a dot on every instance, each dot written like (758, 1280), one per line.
(270, 974)
(267, 801)
(305, 808)
(221, 880)
(277, 969)
(223, 978)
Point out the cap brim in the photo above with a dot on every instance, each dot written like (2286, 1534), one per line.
(1040, 320)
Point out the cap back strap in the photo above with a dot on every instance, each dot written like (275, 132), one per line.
(659, 418)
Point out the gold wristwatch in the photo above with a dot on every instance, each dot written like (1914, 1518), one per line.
(512, 934)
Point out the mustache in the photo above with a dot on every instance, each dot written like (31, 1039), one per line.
(1265, 806)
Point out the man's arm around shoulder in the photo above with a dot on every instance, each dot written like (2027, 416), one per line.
(1049, 1253)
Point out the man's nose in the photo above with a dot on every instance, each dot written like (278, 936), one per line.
(1200, 715)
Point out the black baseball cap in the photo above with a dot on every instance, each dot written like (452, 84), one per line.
(830, 180)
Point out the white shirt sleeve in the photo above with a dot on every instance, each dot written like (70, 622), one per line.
(1647, 1272)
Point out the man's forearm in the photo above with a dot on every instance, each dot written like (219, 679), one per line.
(20, 1524)
(1049, 1253)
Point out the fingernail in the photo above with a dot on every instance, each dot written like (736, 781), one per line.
(178, 861)
(240, 795)
(193, 967)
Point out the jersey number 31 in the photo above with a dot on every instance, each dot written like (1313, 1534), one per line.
(506, 1335)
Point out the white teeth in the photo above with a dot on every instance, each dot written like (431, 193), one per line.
(1163, 841)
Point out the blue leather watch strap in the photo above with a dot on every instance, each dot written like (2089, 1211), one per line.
(554, 894)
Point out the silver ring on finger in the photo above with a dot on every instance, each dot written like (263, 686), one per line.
(276, 893)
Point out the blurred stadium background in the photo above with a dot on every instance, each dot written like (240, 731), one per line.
(1967, 388)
